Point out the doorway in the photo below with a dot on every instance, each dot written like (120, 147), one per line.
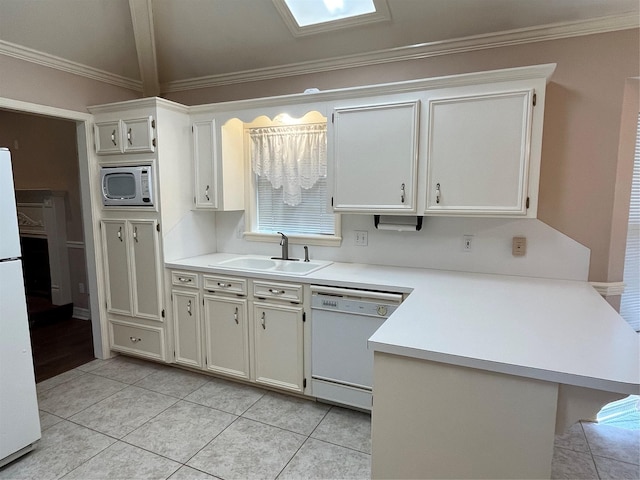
(45, 157)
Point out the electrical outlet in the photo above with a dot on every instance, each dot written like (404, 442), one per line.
(362, 238)
(81, 288)
(519, 246)
(467, 243)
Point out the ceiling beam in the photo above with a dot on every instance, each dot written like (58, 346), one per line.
(143, 32)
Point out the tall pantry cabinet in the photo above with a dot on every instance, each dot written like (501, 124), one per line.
(136, 240)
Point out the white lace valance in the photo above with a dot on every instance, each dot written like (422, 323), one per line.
(291, 157)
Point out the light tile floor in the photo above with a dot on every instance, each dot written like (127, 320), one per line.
(126, 419)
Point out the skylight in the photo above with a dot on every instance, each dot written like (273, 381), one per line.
(305, 17)
(307, 12)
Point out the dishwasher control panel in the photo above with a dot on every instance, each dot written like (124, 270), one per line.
(355, 306)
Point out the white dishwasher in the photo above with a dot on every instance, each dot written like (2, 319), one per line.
(342, 321)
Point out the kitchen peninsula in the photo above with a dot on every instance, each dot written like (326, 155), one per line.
(498, 363)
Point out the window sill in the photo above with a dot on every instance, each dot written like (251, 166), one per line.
(316, 240)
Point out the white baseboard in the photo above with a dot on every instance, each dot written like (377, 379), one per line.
(81, 313)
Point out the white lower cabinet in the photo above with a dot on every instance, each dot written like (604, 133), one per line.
(278, 336)
(217, 327)
(133, 286)
(140, 340)
(226, 335)
(132, 267)
(187, 328)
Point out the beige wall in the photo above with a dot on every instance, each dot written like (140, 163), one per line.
(44, 156)
(582, 121)
(29, 82)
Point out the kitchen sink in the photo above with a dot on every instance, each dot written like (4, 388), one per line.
(250, 263)
(266, 264)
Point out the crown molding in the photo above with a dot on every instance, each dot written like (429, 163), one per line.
(414, 52)
(33, 56)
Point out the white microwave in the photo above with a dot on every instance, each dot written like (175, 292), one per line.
(127, 186)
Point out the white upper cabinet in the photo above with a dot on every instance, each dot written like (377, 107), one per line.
(374, 157)
(139, 135)
(134, 135)
(108, 137)
(479, 150)
(218, 165)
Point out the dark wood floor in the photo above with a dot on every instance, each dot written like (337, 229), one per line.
(60, 344)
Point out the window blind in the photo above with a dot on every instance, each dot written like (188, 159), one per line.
(309, 217)
(630, 301)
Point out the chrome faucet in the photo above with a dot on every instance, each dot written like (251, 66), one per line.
(284, 241)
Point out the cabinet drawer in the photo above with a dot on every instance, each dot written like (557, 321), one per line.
(137, 339)
(221, 284)
(185, 279)
(282, 291)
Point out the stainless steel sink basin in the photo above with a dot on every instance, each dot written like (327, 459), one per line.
(266, 264)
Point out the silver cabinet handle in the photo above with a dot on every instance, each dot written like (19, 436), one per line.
(189, 308)
(135, 340)
(263, 321)
(276, 292)
(120, 233)
(224, 285)
(113, 137)
(437, 193)
(402, 193)
(135, 234)
(235, 316)
(206, 193)
(184, 280)
(129, 138)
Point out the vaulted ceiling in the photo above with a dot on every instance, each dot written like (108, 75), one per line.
(158, 46)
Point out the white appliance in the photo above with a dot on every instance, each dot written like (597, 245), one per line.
(19, 419)
(342, 322)
(127, 186)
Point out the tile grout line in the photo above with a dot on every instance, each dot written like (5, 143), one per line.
(302, 444)
(122, 440)
(595, 465)
(223, 430)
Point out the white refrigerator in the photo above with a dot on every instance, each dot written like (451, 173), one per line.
(19, 419)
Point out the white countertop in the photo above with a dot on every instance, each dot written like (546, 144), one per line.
(554, 330)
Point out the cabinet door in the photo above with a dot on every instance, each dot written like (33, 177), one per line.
(115, 251)
(108, 137)
(226, 335)
(145, 269)
(205, 166)
(278, 335)
(186, 327)
(139, 135)
(375, 154)
(478, 160)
